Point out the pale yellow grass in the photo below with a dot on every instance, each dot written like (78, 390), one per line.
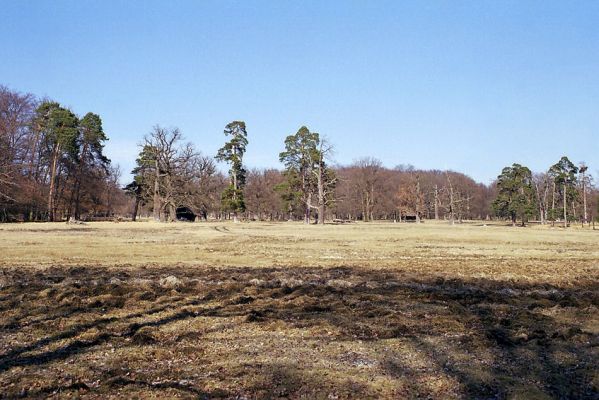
(467, 250)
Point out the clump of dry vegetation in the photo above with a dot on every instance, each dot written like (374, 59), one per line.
(361, 311)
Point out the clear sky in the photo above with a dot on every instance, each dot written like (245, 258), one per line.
(470, 86)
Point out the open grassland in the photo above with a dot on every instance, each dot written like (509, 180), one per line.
(259, 310)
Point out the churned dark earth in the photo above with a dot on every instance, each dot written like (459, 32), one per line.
(241, 333)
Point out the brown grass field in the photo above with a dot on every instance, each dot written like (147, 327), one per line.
(283, 310)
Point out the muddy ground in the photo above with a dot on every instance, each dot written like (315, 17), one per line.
(245, 333)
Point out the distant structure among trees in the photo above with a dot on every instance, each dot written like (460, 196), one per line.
(53, 168)
(172, 176)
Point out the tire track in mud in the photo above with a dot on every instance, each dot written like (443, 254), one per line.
(222, 229)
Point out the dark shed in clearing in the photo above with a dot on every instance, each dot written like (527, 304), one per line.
(185, 214)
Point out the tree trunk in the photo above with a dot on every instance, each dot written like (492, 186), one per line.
(417, 208)
(78, 200)
(371, 203)
(135, 208)
(584, 200)
(565, 208)
(307, 195)
(545, 207)
(321, 195)
(172, 212)
(451, 207)
(52, 183)
(541, 216)
(156, 211)
(436, 203)
(78, 181)
(553, 205)
(33, 150)
(307, 211)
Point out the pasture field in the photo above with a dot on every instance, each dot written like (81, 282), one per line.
(284, 310)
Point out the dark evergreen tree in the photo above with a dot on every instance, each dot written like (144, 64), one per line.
(515, 194)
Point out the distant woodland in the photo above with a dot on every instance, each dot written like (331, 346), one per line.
(53, 168)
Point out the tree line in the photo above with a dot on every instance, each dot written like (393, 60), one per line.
(53, 168)
(310, 188)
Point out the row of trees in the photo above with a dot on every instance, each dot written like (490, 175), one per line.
(53, 167)
(173, 179)
(52, 164)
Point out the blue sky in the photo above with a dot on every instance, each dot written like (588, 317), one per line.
(470, 86)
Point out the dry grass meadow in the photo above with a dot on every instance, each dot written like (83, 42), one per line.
(284, 310)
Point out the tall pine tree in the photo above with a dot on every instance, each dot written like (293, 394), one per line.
(232, 153)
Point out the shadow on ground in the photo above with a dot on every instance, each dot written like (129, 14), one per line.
(311, 333)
